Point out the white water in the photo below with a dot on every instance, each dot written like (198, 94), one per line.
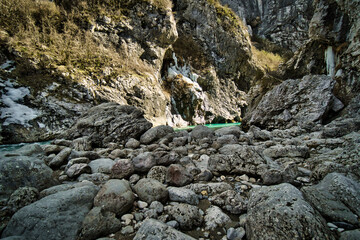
(330, 61)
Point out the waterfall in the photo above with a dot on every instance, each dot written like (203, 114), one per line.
(330, 61)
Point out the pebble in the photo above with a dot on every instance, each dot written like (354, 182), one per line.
(127, 230)
(157, 206)
(127, 218)
(142, 204)
(173, 224)
(331, 225)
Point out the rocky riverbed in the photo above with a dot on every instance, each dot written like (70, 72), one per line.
(112, 176)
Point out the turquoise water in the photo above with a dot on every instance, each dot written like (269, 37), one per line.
(13, 147)
(213, 125)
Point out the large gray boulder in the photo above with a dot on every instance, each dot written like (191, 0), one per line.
(152, 229)
(280, 212)
(294, 102)
(155, 133)
(23, 171)
(109, 122)
(336, 197)
(55, 217)
(115, 196)
(150, 190)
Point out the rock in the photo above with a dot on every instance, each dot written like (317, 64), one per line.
(293, 103)
(132, 143)
(81, 144)
(22, 171)
(99, 223)
(215, 218)
(233, 130)
(180, 141)
(115, 196)
(278, 151)
(173, 224)
(230, 201)
(52, 149)
(239, 159)
(336, 197)
(183, 195)
(150, 190)
(165, 158)
(78, 169)
(153, 229)
(188, 216)
(94, 177)
(127, 230)
(178, 176)
(155, 133)
(350, 235)
(63, 187)
(15, 238)
(157, 206)
(142, 204)
(88, 154)
(102, 165)
(109, 122)
(204, 175)
(280, 212)
(200, 132)
(123, 168)
(210, 188)
(158, 173)
(143, 162)
(235, 233)
(22, 197)
(30, 150)
(59, 215)
(259, 134)
(61, 158)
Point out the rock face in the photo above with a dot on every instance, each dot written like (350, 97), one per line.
(294, 102)
(153, 229)
(59, 215)
(336, 197)
(115, 122)
(280, 212)
(285, 23)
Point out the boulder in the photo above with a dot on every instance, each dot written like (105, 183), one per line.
(158, 173)
(122, 168)
(22, 171)
(188, 216)
(99, 223)
(155, 133)
(183, 195)
(115, 196)
(350, 235)
(294, 102)
(280, 212)
(22, 197)
(336, 197)
(178, 176)
(201, 132)
(143, 162)
(150, 190)
(61, 158)
(153, 229)
(57, 216)
(78, 169)
(109, 122)
(233, 130)
(215, 218)
(102, 165)
(132, 143)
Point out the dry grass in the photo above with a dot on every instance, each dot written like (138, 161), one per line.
(268, 60)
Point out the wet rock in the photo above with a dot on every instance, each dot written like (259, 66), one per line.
(115, 196)
(59, 215)
(183, 195)
(143, 162)
(188, 216)
(61, 158)
(153, 229)
(280, 212)
(122, 168)
(336, 197)
(99, 223)
(109, 122)
(150, 190)
(178, 176)
(22, 197)
(22, 171)
(215, 218)
(78, 169)
(155, 133)
(230, 201)
(158, 173)
(102, 165)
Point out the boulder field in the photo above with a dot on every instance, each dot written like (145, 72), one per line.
(111, 176)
